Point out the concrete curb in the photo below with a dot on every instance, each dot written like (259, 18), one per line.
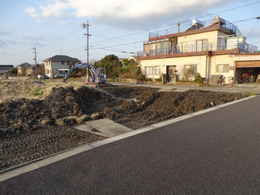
(86, 147)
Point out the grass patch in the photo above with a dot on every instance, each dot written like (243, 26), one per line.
(37, 92)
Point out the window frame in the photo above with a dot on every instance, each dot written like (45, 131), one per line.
(225, 69)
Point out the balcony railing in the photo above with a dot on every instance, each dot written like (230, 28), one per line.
(227, 27)
(193, 48)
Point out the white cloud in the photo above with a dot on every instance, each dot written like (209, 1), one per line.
(118, 10)
(54, 9)
(31, 12)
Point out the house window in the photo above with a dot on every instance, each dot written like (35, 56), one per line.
(222, 43)
(202, 45)
(152, 71)
(222, 68)
(190, 68)
(189, 71)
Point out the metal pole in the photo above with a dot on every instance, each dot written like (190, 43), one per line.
(88, 35)
(35, 56)
(179, 27)
(87, 26)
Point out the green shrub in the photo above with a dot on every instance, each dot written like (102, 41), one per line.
(199, 79)
(37, 92)
(139, 75)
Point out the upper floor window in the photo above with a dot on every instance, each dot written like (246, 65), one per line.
(222, 43)
(222, 68)
(202, 45)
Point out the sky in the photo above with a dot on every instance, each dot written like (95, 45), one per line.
(117, 26)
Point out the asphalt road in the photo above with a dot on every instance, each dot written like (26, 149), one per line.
(215, 153)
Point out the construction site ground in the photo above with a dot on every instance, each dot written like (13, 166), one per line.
(38, 117)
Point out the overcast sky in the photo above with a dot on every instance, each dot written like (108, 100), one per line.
(54, 26)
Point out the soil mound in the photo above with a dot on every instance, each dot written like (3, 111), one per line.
(25, 115)
(128, 92)
(152, 107)
(63, 102)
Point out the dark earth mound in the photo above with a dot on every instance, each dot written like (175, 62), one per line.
(26, 115)
(32, 129)
(152, 107)
(128, 92)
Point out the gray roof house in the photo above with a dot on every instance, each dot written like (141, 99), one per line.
(62, 58)
(58, 64)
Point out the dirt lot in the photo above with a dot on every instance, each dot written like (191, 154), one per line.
(42, 142)
(152, 107)
(36, 127)
(32, 89)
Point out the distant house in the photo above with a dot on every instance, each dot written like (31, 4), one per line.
(38, 69)
(5, 68)
(25, 69)
(56, 65)
(212, 51)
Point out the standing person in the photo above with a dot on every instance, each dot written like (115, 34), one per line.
(221, 81)
(66, 76)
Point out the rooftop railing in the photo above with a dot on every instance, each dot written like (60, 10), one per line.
(228, 27)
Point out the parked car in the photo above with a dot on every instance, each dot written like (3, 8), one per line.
(42, 77)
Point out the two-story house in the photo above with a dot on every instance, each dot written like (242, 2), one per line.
(211, 51)
(25, 69)
(57, 65)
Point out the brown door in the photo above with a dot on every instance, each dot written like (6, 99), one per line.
(171, 74)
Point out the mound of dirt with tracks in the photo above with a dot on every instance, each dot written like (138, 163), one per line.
(25, 115)
(152, 107)
(131, 106)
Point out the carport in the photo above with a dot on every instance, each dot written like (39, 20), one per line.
(247, 71)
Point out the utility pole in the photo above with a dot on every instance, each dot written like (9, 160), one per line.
(179, 27)
(35, 56)
(88, 35)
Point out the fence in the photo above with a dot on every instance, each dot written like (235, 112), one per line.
(189, 48)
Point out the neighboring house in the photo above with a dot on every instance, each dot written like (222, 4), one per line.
(5, 69)
(54, 66)
(38, 69)
(25, 69)
(213, 50)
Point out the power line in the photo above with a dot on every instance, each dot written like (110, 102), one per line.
(207, 15)
(187, 20)
(120, 36)
(117, 51)
(178, 24)
(112, 46)
(119, 45)
(246, 19)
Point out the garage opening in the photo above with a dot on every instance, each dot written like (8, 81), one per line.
(247, 71)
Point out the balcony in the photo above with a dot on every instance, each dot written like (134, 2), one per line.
(196, 49)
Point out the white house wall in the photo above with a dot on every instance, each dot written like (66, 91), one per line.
(221, 60)
(200, 61)
(179, 62)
